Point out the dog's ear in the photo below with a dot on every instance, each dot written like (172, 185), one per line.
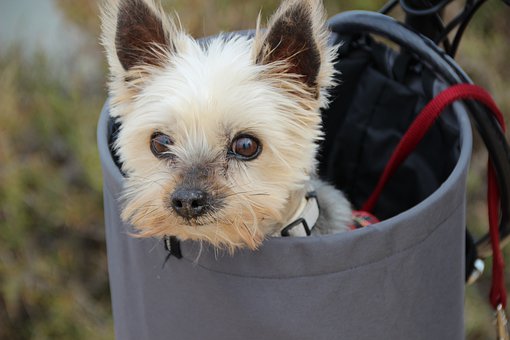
(136, 33)
(297, 37)
(140, 36)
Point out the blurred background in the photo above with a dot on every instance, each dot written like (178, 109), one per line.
(53, 269)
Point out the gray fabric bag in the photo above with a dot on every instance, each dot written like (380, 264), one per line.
(402, 278)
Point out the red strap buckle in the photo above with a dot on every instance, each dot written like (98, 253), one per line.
(361, 219)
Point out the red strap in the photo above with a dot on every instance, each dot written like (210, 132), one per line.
(415, 134)
(498, 289)
(422, 124)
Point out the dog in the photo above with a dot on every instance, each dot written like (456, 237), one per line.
(218, 140)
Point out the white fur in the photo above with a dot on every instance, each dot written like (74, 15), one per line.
(203, 97)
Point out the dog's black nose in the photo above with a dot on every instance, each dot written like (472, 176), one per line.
(189, 203)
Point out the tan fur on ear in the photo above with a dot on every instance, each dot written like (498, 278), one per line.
(139, 38)
(297, 36)
(135, 28)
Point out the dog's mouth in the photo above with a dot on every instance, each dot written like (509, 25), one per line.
(196, 222)
(206, 217)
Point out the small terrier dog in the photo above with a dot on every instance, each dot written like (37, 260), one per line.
(218, 140)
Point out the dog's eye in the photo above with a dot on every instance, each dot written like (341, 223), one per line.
(160, 144)
(245, 147)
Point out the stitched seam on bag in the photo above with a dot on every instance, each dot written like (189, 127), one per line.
(414, 245)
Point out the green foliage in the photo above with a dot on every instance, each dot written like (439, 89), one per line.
(53, 277)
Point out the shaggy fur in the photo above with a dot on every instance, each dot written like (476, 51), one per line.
(271, 87)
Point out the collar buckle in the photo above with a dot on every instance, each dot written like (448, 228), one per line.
(307, 218)
(287, 229)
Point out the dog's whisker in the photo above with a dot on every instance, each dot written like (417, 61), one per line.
(144, 215)
(250, 193)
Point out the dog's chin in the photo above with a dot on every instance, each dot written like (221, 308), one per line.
(219, 233)
(196, 222)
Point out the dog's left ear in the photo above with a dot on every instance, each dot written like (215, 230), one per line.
(137, 36)
(297, 38)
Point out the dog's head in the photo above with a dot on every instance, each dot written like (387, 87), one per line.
(216, 140)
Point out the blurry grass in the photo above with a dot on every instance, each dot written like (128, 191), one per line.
(202, 18)
(53, 275)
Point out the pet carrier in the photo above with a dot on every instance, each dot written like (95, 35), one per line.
(402, 278)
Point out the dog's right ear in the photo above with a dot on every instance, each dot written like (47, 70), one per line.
(137, 36)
